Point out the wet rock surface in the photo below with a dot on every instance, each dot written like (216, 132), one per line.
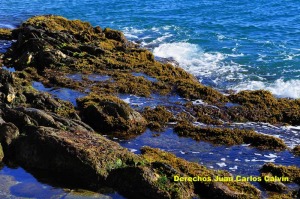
(41, 132)
(109, 114)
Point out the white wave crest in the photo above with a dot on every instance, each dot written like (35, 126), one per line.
(279, 88)
(192, 58)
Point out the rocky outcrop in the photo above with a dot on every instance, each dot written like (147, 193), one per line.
(110, 114)
(87, 156)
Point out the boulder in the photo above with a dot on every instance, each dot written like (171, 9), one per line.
(88, 157)
(8, 133)
(110, 114)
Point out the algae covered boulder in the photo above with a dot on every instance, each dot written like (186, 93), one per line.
(86, 156)
(8, 133)
(109, 114)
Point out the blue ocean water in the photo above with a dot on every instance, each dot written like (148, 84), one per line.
(227, 44)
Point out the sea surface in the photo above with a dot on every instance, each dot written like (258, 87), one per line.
(229, 45)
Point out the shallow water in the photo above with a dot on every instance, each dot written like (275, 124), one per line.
(61, 93)
(18, 183)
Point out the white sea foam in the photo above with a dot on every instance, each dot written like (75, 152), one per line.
(279, 88)
(222, 164)
(271, 156)
(189, 56)
(233, 168)
(210, 66)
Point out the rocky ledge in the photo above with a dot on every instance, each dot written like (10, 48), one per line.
(40, 132)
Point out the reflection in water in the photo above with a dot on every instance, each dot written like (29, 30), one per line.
(61, 93)
(18, 183)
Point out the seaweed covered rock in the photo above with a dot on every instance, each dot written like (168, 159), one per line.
(86, 156)
(262, 106)
(270, 185)
(7, 92)
(207, 187)
(150, 181)
(158, 117)
(53, 44)
(291, 173)
(5, 34)
(287, 195)
(229, 136)
(8, 133)
(22, 117)
(109, 114)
